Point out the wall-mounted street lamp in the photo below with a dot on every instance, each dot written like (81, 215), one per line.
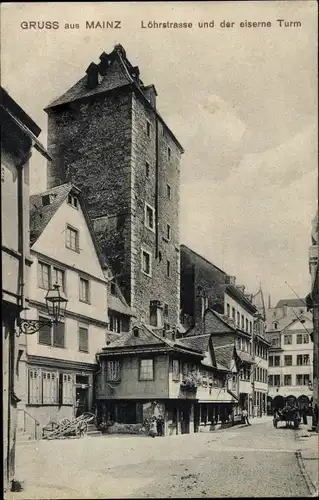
(56, 303)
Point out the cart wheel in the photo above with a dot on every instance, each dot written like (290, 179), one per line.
(81, 429)
(275, 422)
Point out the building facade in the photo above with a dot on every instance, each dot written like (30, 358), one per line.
(313, 305)
(106, 135)
(59, 361)
(18, 136)
(204, 286)
(290, 363)
(145, 374)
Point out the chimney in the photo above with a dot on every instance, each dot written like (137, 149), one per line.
(150, 94)
(231, 280)
(92, 76)
(104, 64)
(200, 308)
(156, 313)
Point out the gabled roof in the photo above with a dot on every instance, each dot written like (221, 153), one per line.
(224, 354)
(291, 303)
(197, 342)
(41, 215)
(146, 338)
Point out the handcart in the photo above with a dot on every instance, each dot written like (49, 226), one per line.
(69, 428)
(289, 414)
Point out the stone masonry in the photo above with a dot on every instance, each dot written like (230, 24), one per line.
(107, 137)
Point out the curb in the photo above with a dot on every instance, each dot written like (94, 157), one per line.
(310, 485)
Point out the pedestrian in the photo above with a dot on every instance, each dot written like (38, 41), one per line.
(153, 427)
(245, 417)
(160, 426)
(304, 416)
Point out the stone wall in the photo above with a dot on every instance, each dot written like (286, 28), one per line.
(102, 145)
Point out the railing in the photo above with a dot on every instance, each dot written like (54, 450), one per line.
(35, 424)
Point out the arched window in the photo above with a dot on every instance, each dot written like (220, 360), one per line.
(275, 325)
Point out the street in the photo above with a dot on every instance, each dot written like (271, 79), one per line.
(258, 461)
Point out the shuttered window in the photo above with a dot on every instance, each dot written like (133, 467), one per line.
(50, 394)
(34, 387)
(67, 389)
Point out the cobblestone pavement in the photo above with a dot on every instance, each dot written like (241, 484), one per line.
(242, 461)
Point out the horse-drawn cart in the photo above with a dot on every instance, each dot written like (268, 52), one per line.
(68, 428)
(289, 414)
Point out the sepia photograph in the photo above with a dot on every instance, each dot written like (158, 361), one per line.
(160, 290)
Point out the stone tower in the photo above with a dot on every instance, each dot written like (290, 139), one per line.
(106, 136)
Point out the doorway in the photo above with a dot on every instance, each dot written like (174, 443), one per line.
(185, 419)
(82, 401)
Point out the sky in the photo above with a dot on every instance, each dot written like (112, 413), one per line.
(242, 102)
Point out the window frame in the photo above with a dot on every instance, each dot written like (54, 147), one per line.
(168, 269)
(148, 207)
(287, 376)
(147, 169)
(113, 375)
(73, 199)
(87, 280)
(146, 378)
(82, 326)
(168, 232)
(42, 264)
(144, 250)
(77, 239)
(52, 333)
(288, 357)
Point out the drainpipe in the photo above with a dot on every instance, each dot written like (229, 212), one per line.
(156, 187)
(21, 221)
(254, 369)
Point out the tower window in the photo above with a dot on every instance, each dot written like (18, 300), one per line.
(149, 217)
(146, 263)
(169, 153)
(148, 129)
(147, 169)
(168, 232)
(168, 269)
(168, 190)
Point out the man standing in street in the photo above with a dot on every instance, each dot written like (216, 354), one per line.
(245, 417)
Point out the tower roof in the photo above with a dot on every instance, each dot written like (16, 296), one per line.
(114, 71)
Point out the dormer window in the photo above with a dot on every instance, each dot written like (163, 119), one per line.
(46, 200)
(113, 289)
(275, 325)
(135, 331)
(72, 200)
